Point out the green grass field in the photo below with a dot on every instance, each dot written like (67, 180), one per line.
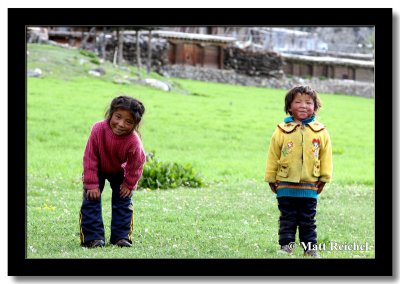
(222, 130)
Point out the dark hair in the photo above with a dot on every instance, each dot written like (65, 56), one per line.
(302, 89)
(134, 106)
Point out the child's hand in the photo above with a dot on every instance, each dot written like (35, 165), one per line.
(273, 186)
(124, 191)
(93, 194)
(320, 186)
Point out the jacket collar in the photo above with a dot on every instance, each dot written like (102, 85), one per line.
(289, 125)
(303, 122)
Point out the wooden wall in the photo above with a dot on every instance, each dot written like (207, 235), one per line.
(333, 71)
(196, 54)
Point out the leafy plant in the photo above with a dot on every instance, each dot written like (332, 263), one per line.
(88, 53)
(163, 175)
(95, 61)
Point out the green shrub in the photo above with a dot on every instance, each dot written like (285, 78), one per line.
(163, 175)
(88, 53)
(95, 61)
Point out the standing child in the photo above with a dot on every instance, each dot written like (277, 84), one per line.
(114, 152)
(298, 166)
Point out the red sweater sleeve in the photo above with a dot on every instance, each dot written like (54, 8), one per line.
(134, 166)
(91, 161)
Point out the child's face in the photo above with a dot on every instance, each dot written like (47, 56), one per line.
(121, 122)
(302, 107)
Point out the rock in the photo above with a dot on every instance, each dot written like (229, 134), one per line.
(94, 73)
(157, 84)
(34, 73)
(120, 81)
(124, 68)
(97, 72)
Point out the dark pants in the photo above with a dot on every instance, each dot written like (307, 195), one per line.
(297, 212)
(91, 220)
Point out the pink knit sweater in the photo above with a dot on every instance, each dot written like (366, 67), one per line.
(110, 153)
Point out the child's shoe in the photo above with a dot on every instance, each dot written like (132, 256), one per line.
(312, 253)
(286, 249)
(123, 243)
(94, 244)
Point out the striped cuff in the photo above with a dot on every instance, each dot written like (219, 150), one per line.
(302, 189)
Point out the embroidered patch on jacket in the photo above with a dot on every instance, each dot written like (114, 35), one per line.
(315, 147)
(286, 149)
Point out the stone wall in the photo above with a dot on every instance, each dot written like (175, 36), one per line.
(266, 64)
(334, 86)
(246, 62)
(245, 68)
(159, 51)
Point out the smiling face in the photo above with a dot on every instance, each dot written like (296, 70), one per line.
(302, 107)
(122, 122)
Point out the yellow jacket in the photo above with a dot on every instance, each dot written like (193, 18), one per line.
(299, 153)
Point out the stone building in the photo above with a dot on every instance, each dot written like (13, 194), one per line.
(328, 67)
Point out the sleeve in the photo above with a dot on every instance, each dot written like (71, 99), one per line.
(326, 159)
(134, 167)
(91, 162)
(274, 153)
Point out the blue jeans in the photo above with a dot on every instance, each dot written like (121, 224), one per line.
(297, 212)
(91, 220)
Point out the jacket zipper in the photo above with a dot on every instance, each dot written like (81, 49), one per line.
(302, 150)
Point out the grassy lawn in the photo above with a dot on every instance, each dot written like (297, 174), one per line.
(222, 130)
(237, 220)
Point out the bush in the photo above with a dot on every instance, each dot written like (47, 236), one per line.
(163, 175)
(95, 61)
(88, 53)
